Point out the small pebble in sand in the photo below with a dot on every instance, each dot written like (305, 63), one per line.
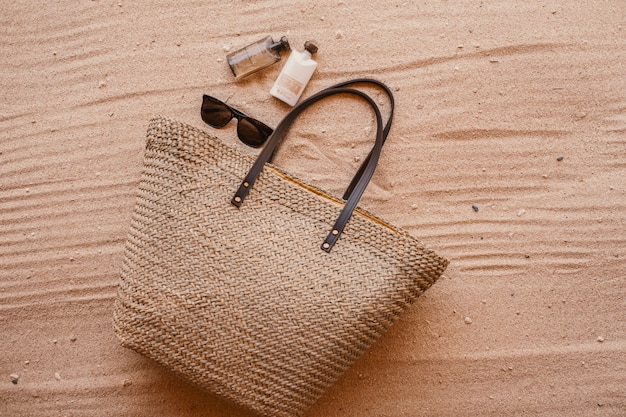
(520, 212)
(72, 338)
(560, 158)
(474, 207)
(127, 383)
(467, 320)
(14, 378)
(600, 339)
(57, 376)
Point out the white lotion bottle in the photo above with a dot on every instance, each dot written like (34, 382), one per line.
(295, 75)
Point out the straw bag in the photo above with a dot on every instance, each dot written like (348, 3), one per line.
(251, 283)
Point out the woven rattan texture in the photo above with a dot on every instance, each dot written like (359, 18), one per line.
(243, 302)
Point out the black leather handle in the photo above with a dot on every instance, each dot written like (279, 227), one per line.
(360, 180)
(359, 173)
(387, 91)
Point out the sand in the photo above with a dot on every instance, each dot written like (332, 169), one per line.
(507, 155)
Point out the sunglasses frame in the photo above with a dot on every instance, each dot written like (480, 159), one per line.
(264, 130)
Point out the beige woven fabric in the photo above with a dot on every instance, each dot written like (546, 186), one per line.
(243, 302)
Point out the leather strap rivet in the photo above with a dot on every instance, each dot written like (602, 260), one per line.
(335, 232)
(326, 245)
(238, 199)
(246, 184)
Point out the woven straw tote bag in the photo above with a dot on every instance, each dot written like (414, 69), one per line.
(251, 283)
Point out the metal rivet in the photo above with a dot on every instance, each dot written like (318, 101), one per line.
(238, 199)
(246, 184)
(335, 232)
(326, 245)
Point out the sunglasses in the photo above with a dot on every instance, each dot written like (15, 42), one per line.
(217, 114)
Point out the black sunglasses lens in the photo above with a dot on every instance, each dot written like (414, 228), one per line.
(252, 132)
(215, 113)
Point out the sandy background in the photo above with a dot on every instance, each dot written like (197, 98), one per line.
(489, 95)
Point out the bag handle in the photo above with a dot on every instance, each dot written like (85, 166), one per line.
(361, 182)
(386, 89)
(363, 166)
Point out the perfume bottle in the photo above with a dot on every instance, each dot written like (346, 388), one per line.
(295, 75)
(256, 56)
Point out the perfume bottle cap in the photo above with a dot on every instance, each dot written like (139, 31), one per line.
(282, 44)
(310, 46)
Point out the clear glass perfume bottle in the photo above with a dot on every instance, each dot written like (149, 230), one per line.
(256, 56)
(295, 75)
